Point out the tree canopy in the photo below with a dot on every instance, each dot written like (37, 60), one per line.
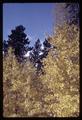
(18, 41)
(46, 84)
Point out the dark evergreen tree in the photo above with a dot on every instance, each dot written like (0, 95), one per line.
(19, 42)
(38, 53)
(5, 46)
(35, 55)
(46, 47)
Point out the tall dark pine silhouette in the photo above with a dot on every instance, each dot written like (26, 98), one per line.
(35, 55)
(46, 48)
(38, 53)
(5, 46)
(19, 42)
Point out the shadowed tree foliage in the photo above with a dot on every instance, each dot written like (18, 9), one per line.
(18, 41)
(35, 55)
(46, 47)
(67, 12)
(73, 13)
(5, 46)
(38, 53)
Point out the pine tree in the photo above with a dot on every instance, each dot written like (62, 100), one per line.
(35, 55)
(18, 41)
(46, 47)
(5, 46)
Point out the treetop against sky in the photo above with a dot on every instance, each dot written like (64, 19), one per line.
(36, 17)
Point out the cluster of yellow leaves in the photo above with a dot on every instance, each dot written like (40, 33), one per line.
(16, 86)
(61, 73)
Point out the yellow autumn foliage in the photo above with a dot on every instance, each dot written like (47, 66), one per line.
(61, 73)
(18, 99)
(55, 92)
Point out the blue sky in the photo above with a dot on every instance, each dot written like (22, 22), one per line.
(37, 18)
